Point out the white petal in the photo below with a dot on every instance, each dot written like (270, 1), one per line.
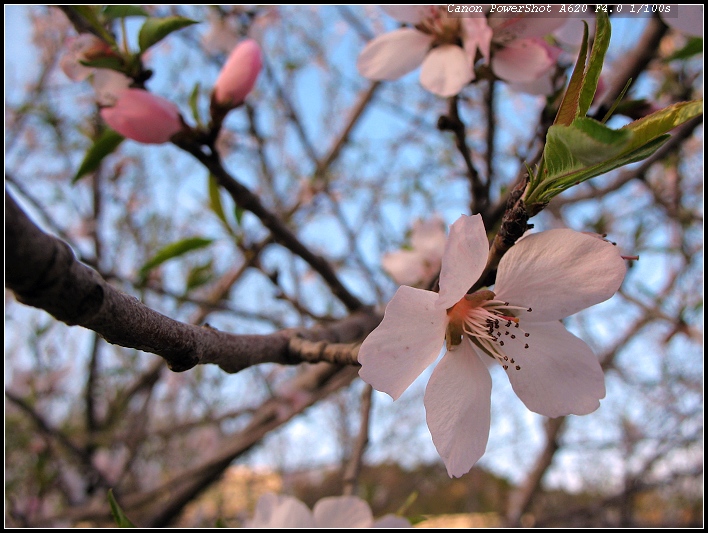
(278, 511)
(407, 341)
(409, 14)
(464, 259)
(390, 521)
(688, 19)
(446, 70)
(457, 408)
(523, 61)
(406, 267)
(558, 273)
(559, 375)
(393, 54)
(476, 35)
(342, 511)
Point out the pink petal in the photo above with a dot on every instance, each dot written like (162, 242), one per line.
(476, 35)
(108, 84)
(406, 267)
(559, 375)
(393, 54)
(342, 512)
(407, 341)
(541, 86)
(428, 237)
(390, 521)
(277, 511)
(510, 27)
(446, 70)
(558, 273)
(523, 60)
(464, 259)
(143, 117)
(238, 76)
(457, 408)
(408, 14)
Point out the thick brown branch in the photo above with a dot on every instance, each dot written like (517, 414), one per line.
(42, 272)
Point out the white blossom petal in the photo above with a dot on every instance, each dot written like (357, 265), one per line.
(391, 55)
(406, 267)
(446, 70)
(457, 408)
(522, 61)
(278, 511)
(390, 521)
(558, 374)
(558, 273)
(407, 341)
(342, 512)
(476, 35)
(408, 14)
(464, 259)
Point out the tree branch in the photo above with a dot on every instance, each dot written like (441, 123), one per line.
(42, 272)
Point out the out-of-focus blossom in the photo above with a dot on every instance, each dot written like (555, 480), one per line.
(446, 48)
(278, 511)
(688, 19)
(418, 266)
(222, 35)
(544, 278)
(83, 47)
(143, 117)
(518, 51)
(106, 83)
(239, 74)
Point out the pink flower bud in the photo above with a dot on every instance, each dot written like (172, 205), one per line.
(239, 74)
(143, 117)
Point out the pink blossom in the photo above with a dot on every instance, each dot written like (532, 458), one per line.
(544, 278)
(83, 47)
(519, 54)
(143, 117)
(239, 74)
(420, 265)
(278, 511)
(434, 44)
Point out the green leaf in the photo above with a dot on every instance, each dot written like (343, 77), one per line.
(102, 147)
(597, 58)
(588, 141)
(173, 250)
(112, 62)
(118, 514)
(90, 16)
(238, 213)
(662, 121)
(119, 12)
(199, 276)
(156, 29)
(194, 102)
(215, 200)
(568, 109)
(693, 47)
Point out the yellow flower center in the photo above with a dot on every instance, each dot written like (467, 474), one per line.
(487, 323)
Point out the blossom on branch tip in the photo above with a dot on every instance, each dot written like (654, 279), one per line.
(143, 117)
(279, 511)
(542, 279)
(238, 76)
(446, 48)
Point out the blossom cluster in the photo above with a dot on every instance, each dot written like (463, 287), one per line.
(450, 49)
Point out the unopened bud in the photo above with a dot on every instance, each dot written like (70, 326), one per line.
(143, 117)
(239, 75)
